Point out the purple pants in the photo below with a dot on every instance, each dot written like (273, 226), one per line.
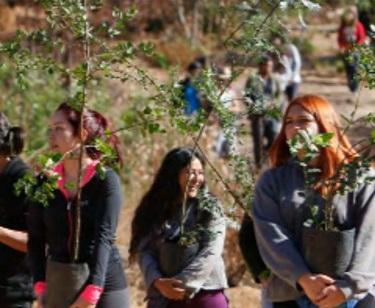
(204, 299)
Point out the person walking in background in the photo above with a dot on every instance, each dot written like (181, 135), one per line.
(282, 72)
(97, 278)
(350, 34)
(291, 60)
(280, 210)
(179, 250)
(295, 61)
(262, 91)
(226, 142)
(190, 92)
(16, 289)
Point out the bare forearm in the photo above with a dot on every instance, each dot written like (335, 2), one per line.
(14, 239)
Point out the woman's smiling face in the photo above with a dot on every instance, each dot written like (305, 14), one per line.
(191, 178)
(299, 119)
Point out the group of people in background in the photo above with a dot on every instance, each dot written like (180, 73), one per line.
(178, 229)
(275, 83)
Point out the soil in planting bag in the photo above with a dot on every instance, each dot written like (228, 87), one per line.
(174, 257)
(65, 281)
(328, 252)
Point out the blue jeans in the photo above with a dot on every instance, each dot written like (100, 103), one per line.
(351, 68)
(291, 91)
(265, 303)
(304, 302)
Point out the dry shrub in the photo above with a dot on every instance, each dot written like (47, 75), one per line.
(177, 52)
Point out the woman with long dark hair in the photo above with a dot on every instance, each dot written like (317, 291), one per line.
(281, 210)
(179, 248)
(96, 277)
(15, 280)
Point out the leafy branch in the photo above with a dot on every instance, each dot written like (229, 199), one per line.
(348, 177)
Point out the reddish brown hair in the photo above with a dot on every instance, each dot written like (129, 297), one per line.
(340, 149)
(95, 125)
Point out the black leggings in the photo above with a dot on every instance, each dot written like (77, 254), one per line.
(289, 304)
(16, 304)
(114, 299)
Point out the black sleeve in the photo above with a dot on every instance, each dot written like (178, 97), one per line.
(105, 227)
(249, 248)
(36, 244)
(18, 208)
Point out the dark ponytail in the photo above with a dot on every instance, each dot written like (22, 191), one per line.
(13, 142)
(97, 126)
(11, 138)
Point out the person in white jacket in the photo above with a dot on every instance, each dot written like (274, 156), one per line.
(295, 62)
(291, 59)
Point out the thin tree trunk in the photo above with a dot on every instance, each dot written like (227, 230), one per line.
(195, 24)
(179, 5)
(77, 222)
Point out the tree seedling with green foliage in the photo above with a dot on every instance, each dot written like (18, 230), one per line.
(348, 177)
(42, 81)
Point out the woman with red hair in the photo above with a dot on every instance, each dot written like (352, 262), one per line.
(280, 211)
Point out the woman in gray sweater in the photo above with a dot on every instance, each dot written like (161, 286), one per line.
(179, 250)
(280, 211)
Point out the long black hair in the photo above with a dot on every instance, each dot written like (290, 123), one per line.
(163, 196)
(11, 137)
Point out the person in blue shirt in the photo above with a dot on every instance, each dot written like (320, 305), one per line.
(190, 92)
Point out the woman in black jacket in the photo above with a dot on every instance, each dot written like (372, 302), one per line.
(15, 280)
(100, 279)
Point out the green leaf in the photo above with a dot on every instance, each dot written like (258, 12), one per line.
(48, 160)
(147, 110)
(370, 119)
(153, 128)
(126, 50)
(100, 168)
(70, 186)
(323, 140)
(130, 13)
(147, 48)
(372, 135)
(79, 72)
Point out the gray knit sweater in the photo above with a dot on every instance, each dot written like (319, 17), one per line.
(279, 212)
(206, 271)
